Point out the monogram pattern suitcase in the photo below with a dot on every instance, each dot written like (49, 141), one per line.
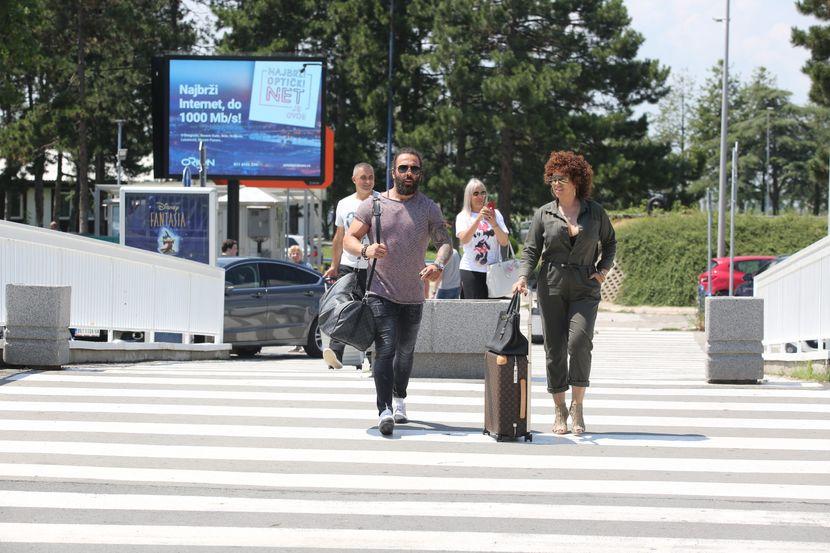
(507, 397)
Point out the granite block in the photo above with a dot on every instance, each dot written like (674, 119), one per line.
(458, 326)
(734, 368)
(37, 321)
(49, 333)
(36, 353)
(37, 305)
(734, 318)
(448, 365)
(734, 346)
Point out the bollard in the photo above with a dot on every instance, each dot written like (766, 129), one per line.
(37, 325)
(734, 331)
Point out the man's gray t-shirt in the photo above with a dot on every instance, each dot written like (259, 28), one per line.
(406, 228)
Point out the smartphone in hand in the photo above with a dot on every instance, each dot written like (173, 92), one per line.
(491, 205)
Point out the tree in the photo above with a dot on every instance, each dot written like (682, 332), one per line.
(817, 40)
(762, 102)
(670, 125)
(86, 63)
(755, 106)
(704, 127)
(352, 36)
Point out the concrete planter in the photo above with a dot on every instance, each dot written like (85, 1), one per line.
(37, 325)
(734, 331)
(452, 338)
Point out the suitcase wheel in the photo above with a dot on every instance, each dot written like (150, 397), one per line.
(485, 431)
(528, 437)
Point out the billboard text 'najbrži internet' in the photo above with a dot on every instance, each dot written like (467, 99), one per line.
(259, 117)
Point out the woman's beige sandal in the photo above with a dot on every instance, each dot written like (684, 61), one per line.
(576, 418)
(560, 422)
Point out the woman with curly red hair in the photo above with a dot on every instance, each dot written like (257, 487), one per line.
(573, 237)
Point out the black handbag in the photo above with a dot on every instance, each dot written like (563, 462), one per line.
(345, 314)
(508, 339)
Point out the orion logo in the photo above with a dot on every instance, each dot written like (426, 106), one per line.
(194, 162)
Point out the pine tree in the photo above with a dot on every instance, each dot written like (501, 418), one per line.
(817, 40)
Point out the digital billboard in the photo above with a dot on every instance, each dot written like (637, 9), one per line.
(179, 222)
(259, 117)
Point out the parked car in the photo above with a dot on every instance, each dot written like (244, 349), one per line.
(719, 272)
(536, 323)
(524, 228)
(269, 302)
(748, 287)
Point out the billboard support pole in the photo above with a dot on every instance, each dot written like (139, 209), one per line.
(390, 99)
(202, 164)
(233, 209)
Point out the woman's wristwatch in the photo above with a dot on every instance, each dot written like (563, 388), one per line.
(439, 265)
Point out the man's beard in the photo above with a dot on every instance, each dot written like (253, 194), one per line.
(404, 188)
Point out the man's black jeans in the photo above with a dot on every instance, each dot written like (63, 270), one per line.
(396, 330)
(339, 347)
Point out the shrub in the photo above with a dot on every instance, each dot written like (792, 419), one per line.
(661, 256)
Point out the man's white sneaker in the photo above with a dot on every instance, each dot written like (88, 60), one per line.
(400, 411)
(331, 358)
(386, 423)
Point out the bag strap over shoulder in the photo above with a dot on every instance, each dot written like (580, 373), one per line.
(376, 213)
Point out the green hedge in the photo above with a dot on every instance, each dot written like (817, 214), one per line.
(662, 255)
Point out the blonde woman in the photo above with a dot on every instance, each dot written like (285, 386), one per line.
(481, 231)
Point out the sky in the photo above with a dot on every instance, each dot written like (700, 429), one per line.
(683, 36)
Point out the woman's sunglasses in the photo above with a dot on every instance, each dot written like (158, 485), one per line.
(482, 193)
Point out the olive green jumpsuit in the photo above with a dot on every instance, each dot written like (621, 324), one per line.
(568, 298)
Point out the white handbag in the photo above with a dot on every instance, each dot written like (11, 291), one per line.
(502, 275)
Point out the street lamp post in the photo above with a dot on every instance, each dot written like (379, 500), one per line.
(732, 205)
(724, 128)
(767, 179)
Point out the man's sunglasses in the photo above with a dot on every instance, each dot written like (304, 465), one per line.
(414, 169)
(482, 193)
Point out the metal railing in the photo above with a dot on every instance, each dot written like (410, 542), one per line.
(116, 289)
(796, 295)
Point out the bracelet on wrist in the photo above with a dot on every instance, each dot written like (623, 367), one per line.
(363, 251)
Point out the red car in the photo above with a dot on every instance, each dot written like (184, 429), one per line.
(719, 268)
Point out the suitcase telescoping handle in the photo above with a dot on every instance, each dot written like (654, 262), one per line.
(523, 399)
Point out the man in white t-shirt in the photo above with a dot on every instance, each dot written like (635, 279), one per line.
(342, 262)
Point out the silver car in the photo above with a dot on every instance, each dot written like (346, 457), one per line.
(269, 302)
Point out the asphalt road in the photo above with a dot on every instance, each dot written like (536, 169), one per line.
(281, 453)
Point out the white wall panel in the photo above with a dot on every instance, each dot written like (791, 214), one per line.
(796, 296)
(171, 305)
(114, 287)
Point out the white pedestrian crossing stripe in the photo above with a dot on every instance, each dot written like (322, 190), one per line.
(283, 453)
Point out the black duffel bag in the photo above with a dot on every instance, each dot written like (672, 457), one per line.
(345, 314)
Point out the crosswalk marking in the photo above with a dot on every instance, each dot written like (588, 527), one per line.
(420, 458)
(281, 453)
(449, 436)
(372, 539)
(416, 385)
(382, 482)
(130, 502)
(418, 400)
(366, 414)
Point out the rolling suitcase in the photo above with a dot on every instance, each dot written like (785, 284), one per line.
(507, 397)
